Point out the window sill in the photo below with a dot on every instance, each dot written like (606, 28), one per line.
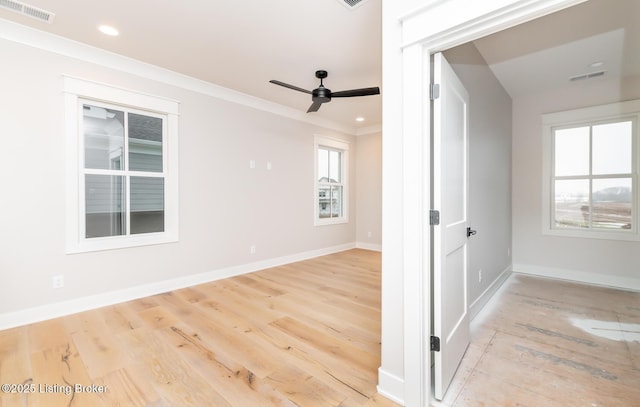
(120, 242)
(333, 221)
(589, 234)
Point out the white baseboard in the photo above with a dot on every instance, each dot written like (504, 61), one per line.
(369, 246)
(605, 280)
(59, 309)
(476, 307)
(390, 386)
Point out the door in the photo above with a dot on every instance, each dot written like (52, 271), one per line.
(450, 193)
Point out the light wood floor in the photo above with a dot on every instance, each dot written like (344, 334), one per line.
(544, 342)
(305, 334)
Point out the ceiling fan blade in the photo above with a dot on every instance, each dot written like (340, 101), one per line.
(356, 92)
(286, 85)
(314, 107)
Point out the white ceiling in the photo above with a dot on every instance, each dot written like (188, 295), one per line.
(545, 53)
(242, 45)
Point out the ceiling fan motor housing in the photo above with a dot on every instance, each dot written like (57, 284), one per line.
(321, 94)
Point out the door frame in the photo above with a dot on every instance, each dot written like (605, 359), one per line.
(436, 26)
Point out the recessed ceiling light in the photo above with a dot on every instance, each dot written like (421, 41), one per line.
(596, 64)
(108, 30)
(359, 119)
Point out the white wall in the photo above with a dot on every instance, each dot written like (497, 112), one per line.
(225, 207)
(489, 171)
(369, 191)
(597, 261)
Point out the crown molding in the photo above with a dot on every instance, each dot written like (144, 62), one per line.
(70, 48)
(365, 131)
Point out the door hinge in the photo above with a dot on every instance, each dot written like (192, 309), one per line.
(435, 91)
(435, 344)
(434, 217)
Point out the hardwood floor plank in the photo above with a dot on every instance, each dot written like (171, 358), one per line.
(235, 383)
(295, 353)
(157, 317)
(329, 317)
(127, 387)
(57, 372)
(170, 375)
(95, 342)
(325, 343)
(328, 357)
(47, 335)
(121, 317)
(220, 333)
(15, 364)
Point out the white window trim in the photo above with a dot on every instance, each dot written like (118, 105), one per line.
(587, 115)
(336, 144)
(77, 90)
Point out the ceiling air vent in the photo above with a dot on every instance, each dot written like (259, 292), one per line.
(586, 76)
(27, 10)
(352, 3)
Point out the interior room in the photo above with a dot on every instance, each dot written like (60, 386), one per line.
(182, 203)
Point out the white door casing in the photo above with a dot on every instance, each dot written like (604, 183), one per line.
(450, 198)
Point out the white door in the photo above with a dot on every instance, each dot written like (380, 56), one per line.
(450, 192)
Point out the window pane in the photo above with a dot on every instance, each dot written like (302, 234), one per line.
(145, 143)
(612, 148)
(323, 165)
(572, 203)
(324, 202)
(612, 203)
(336, 201)
(147, 205)
(572, 151)
(103, 131)
(335, 170)
(104, 205)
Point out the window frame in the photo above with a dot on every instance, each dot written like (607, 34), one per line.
(590, 116)
(78, 92)
(331, 144)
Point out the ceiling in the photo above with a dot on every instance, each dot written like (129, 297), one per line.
(544, 53)
(243, 45)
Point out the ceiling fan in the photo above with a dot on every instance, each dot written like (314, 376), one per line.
(322, 95)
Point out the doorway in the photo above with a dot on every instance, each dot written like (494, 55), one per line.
(570, 43)
(436, 27)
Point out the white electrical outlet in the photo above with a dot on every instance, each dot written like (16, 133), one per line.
(252, 164)
(480, 275)
(369, 234)
(252, 250)
(269, 166)
(57, 281)
(508, 252)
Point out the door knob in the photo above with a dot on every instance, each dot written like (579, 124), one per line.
(471, 232)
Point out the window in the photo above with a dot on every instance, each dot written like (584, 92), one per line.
(591, 172)
(122, 184)
(331, 192)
